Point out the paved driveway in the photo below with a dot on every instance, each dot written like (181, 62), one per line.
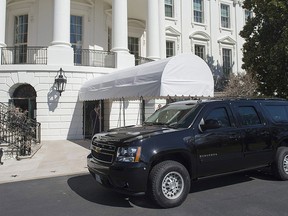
(251, 193)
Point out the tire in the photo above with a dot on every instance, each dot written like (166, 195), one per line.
(280, 165)
(169, 184)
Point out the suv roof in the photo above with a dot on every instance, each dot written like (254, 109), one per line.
(195, 101)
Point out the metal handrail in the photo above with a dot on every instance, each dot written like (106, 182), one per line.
(18, 131)
(82, 57)
(94, 58)
(142, 60)
(24, 55)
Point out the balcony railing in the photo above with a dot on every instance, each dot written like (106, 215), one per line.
(23, 55)
(94, 58)
(82, 57)
(141, 60)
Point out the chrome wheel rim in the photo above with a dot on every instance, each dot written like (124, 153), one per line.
(285, 164)
(172, 185)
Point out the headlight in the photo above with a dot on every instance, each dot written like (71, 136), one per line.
(128, 154)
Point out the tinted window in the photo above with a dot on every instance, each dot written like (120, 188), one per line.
(277, 113)
(220, 115)
(249, 116)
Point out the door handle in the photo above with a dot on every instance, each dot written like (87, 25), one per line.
(264, 133)
(234, 136)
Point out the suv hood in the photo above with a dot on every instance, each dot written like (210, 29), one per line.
(130, 133)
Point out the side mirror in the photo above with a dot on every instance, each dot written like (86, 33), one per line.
(209, 124)
(201, 125)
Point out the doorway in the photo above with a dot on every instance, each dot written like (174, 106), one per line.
(24, 97)
(88, 123)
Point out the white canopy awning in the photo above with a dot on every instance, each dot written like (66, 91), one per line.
(181, 75)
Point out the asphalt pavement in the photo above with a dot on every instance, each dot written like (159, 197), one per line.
(241, 194)
(59, 184)
(54, 158)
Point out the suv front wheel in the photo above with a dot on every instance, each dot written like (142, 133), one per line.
(169, 184)
(280, 165)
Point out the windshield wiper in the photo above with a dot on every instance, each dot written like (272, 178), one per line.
(159, 123)
(153, 123)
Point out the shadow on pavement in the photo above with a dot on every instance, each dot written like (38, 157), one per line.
(84, 143)
(230, 179)
(86, 187)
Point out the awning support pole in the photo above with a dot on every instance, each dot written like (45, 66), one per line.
(142, 102)
(124, 111)
(100, 116)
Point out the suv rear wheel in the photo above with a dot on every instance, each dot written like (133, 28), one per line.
(169, 184)
(280, 165)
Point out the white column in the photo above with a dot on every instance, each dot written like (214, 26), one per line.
(153, 35)
(119, 26)
(120, 34)
(60, 52)
(162, 30)
(2, 22)
(61, 33)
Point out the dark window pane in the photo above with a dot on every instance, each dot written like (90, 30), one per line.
(133, 45)
(278, 113)
(249, 116)
(225, 16)
(227, 61)
(170, 48)
(200, 51)
(20, 38)
(76, 28)
(198, 10)
(220, 115)
(169, 8)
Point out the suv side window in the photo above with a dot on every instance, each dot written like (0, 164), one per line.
(278, 113)
(248, 116)
(220, 115)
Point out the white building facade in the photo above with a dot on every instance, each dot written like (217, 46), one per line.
(91, 38)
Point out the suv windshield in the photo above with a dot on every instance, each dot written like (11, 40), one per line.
(173, 115)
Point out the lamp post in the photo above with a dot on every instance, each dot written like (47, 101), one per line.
(60, 81)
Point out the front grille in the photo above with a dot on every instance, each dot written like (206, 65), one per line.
(103, 152)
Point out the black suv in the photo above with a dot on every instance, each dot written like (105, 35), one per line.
(187, 140)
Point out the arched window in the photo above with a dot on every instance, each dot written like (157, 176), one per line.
(24, 91)
(24, 97)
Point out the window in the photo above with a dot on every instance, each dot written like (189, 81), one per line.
(227, 61)
(248, 15)
(278, 113)
(169, 7)
(178, 115)
(76, 37)
(198, 11)
(218, 115)
(170, 48)
(225, 16)
(200, 51)
(249, 116)
(133, 45)
(20, 38)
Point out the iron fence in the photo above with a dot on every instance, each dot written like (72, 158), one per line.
(18, 131)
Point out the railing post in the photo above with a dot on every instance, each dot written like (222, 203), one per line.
(1, 55)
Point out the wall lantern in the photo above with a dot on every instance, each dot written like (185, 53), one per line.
(60, 81)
